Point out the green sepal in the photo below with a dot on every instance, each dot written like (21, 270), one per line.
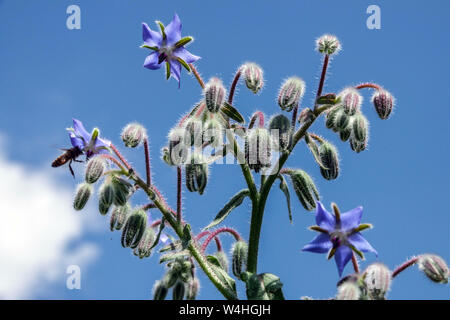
(233, 203)
(318, 229)
(161, 227)
(184, 64)
(186, 237)
(183, 41)
(173, 246)
(167, 70)
(95, 133)
(284, 187)
(162, 28)
(359, 253)
(232, 112)
(149, 47)
(171, 256)
(363, 226)
(329, 98)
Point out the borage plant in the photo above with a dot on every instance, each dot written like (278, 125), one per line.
(214, 128)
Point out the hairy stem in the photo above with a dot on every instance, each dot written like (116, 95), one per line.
(213, 234)
(234, 85)
(179, 194)
(355, 263)
(404, 266)
(197, 76)
(368, 85)
(147, 162)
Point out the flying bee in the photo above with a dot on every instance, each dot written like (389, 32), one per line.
(68, 156)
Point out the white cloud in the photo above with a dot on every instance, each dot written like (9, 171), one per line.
(38, 230)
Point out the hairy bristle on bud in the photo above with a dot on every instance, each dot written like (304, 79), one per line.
(291, 92)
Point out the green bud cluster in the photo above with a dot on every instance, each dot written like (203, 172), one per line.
(82, 195)
(214, 94)
(119, 216)
(196, 173)
(329, 158)
(258, 148)
(304, 187)
(280, 131)
(253, 76)
(176, 153)
(134, 229)
(144, 248)
(105, 196)
(94, 169)
(239, 252)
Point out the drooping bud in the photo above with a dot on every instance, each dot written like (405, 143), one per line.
(143, 250)
(280, 131)
(193, 132)
(360, 126)
(196, 173)
(171, 277)
(305, 188)
(105, 197)
(122, 190)
(258, 148)
(357, 146)
(214, 94)
(328, 44)
(291, 92)
(253, 75)
(159, 290)
(342, 120)
(351, 100)
(119, 216)
(383, 102)
(213, 132)
(378, 280)
(329, 157)
(94, 169)
(82, 195)
(239, 252)
(348, 291)
(434, 268)
(178, 290)
(192, 289)
(331, 117)
(133, 135)
(177, 149)
(346, 133)
(134, 229)
(223, 259)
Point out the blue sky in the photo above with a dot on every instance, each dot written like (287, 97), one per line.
(50, 74)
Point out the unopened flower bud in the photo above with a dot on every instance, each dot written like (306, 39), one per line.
(192, 289)
(143, 249)
(342, 120)
(122, 190)
(196, 173)
(378, 280)
(214, 94)
(357, 146)
(360, 126)
(346, 133)
(82, 195)
(119, 216)
(193, 135)
(258, 148)
(133, 135)
(328, 44)
(348, 291)
(434, 268)
(239, 252)
(213, 132)
(306, 115)
(105, 197)
(94, 169)
(305, 188)
(223, 259)
(331, 117)
(280, 131)
(159, 290)
(351, 100)
(134, 229)
(177, 150)
(253, 75)
(291, 92)
(384, 103)
(329, 157)
(178, 290)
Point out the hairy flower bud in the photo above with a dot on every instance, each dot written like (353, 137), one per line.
(178, 290)
(82, 195)
(329, 157)
(119, 216)
(357, 146)
(177, 150)
(133, 135)
(105, 197)
(378, 280)
(351, 100)
(328, 44)
(434, 268)
(348, 291)
(384, 103)
(253, 75)
(305, 188)
(144, 248)
(134, 229)
(291, 92)
(342, 120)
(331, 117)
(257, 148)
(94, 169)
(214, 94)
(196, 173)
(223, 259)
(360, 126)
(193, 135)
(280, 131)
(239, 252)
(213, 132)
(159, 290)
(192, 288)
(122, 190)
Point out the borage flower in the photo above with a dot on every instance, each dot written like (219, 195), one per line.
(88, 143)
(168, 47)
(339, 235)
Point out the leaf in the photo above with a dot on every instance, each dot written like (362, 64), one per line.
(174, 245)
(173, 255)
(284, 187)
(149, 47)
(329, 98)
(224, 277)
(183, 41)
(161, 227)
(213, 260)
(167, 71)
(314, 150)
(186, 237)
(232, 112)
(184, 64)
(234, 202)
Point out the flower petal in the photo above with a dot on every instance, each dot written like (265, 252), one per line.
(173, 30)
(324, 219)
(358, 241)
(150, 37)
(320, 244)
(351, 219)
(163, 238)
(102, 145)
(185, 55)
(76, 142)
(342, 257)
(80, 131)
(151, 62)
(175, 69)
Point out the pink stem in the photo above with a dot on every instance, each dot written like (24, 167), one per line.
(156, 223)
(119, 155)
(355, 263)
(218, 231)
(148, 206)
(197, 76)
(111, 158)
(294, 117)
(179, 194)
(368, 85)
(322, 76)
(260, 116)
(233, 86)
(405, 266)
(147, 163)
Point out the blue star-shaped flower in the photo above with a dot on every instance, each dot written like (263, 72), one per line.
(89, 143)
(168, 47)
(339, 235)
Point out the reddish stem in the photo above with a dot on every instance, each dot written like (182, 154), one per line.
(111, 158)
(218, 231)
(147, 162)
(119, 155)
(179, 194)
(322, 76)
(156, 223)
(197, 76)
(257, 114)
(233, 85)
(355, 263)
(148, 206)
(368, 85)
(405, 266)
(204, 233)
(294, 117)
